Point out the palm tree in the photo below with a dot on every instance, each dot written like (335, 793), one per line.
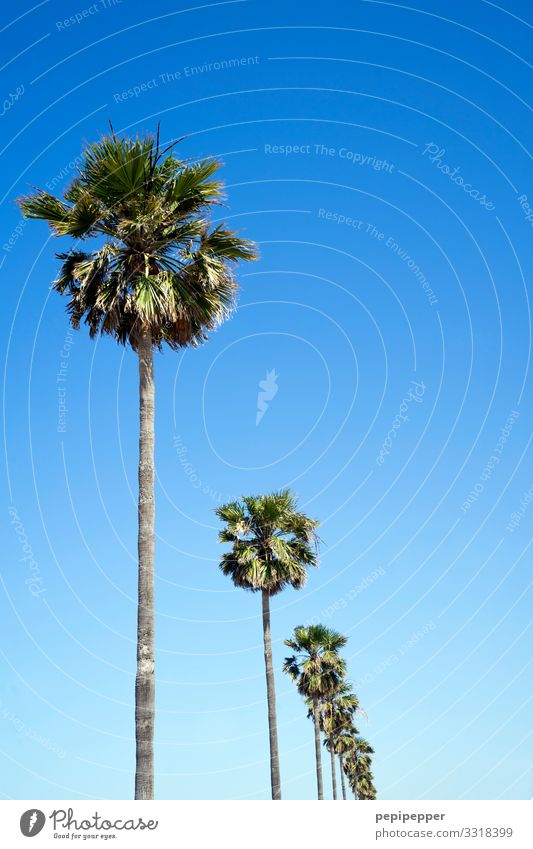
(336, 717)
(272, 545)
(358, 769)
(364, 781)
(344, 744)
(317, 668)
(159, 273)
(365, 787)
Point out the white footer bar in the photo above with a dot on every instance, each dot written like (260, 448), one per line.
(265, 825)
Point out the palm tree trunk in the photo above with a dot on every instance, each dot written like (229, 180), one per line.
(275, 779)
(343, 780)
(318, 751)
(333, 773)
(144, 681)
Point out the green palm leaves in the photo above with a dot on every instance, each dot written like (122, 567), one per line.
(319, 672)
(158, 272)
(148, 268)
(357, 767)
(272, 542)
(272, 545)
(316, 666)
(163, 269)
(338, 713)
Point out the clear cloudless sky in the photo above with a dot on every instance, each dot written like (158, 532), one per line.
(378, 153)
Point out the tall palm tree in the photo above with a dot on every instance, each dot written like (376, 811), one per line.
(336, 716)
(317, 668)
(273, 544)
(158, 273)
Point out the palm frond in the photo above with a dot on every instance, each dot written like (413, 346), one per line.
(266, 554)
(167, 270)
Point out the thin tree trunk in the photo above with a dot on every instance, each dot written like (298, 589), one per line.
(144, 681)
(343, 779)
(333, 773)
(275, 780)
(318, 751)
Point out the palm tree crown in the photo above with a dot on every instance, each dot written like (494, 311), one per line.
(273, 543)
(345, 741)
(316, 667)
(338, 711)
(161, 271)
(357, 767)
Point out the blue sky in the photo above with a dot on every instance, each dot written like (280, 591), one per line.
(378, 154)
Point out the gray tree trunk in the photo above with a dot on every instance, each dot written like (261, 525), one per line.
(318, 750)
(275, 779)
(343, 778)
(333, 773)
(144, 681)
